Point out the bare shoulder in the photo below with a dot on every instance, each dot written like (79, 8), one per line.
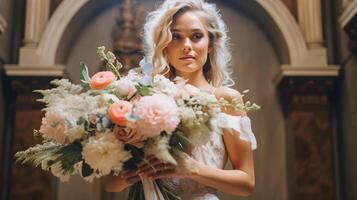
(228, 94)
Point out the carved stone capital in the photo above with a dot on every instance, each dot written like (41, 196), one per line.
(23, 80)
(306, 87)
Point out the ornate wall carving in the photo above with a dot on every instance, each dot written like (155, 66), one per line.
(307, 105)
(127, 42)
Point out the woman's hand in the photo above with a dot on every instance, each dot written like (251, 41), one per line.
(120, 182)
(154, 168)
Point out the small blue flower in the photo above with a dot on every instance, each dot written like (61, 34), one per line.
(146, 67)
(145, 80)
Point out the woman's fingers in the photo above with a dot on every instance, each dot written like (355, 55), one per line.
(133, 179)
(164, 174)
(155, 168)
(150, 166)
(160, 168)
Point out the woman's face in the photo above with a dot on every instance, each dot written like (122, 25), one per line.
(188, 50)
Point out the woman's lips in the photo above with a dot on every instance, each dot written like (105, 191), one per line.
(187, 58)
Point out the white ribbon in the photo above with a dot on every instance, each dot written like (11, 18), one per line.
(151, 190)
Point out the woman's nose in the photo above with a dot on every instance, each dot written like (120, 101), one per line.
(187, 46)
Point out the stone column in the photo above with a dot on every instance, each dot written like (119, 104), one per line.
(310, 20)
(345, 3)
(37, 15)
(308, 96)
(3, 24)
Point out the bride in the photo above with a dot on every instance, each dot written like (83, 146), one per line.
(188, 38)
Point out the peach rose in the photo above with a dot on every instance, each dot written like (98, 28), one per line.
(118, 110)
(129, 135)
(101, 80)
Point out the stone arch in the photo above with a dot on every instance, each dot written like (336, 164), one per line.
(298, 53)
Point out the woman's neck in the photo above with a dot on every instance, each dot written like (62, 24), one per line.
(196, 79)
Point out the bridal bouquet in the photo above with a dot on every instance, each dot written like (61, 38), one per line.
(109, 123)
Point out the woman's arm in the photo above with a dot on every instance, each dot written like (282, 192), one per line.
(240, 180)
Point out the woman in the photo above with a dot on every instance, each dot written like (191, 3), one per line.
(188, 38)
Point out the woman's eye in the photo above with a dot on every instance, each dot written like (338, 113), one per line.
(197, 36)
(175, 37)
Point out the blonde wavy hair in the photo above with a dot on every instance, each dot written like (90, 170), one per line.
(157, 36)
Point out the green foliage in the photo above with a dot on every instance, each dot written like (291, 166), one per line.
(69, 155)
(84, 75)
(86, 170)
(180, 141)
(38, 153)
(144, 90)
(166, 192)
(137, 157)
(112, 64)
(136, 192)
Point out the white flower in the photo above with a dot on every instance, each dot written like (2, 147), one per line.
(103, 152)
(125, 86)
(74, 133)
(186, 113)
(57, 171)
(163, 85)
(90, 178)
(53, 126)
(106, 99)
(159, 146)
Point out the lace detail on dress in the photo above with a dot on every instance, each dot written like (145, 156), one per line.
(213, 154)
(241, 124)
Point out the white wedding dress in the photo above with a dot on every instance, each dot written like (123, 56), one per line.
(212, 154)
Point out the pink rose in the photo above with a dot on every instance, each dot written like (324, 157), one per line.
(53, 127)
(129, 135)
(157, 113)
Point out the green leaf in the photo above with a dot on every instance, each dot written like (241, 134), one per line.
(144, 90)
(180, 141)
(69, 155)
(137, 157)
(84, 74)
(81, 120)
(167, 192)
(86, 170)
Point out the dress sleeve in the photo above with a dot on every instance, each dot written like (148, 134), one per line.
(240, 124)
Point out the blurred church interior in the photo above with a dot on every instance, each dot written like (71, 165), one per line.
(297, 57)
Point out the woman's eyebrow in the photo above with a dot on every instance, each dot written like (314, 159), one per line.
(184, 30)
